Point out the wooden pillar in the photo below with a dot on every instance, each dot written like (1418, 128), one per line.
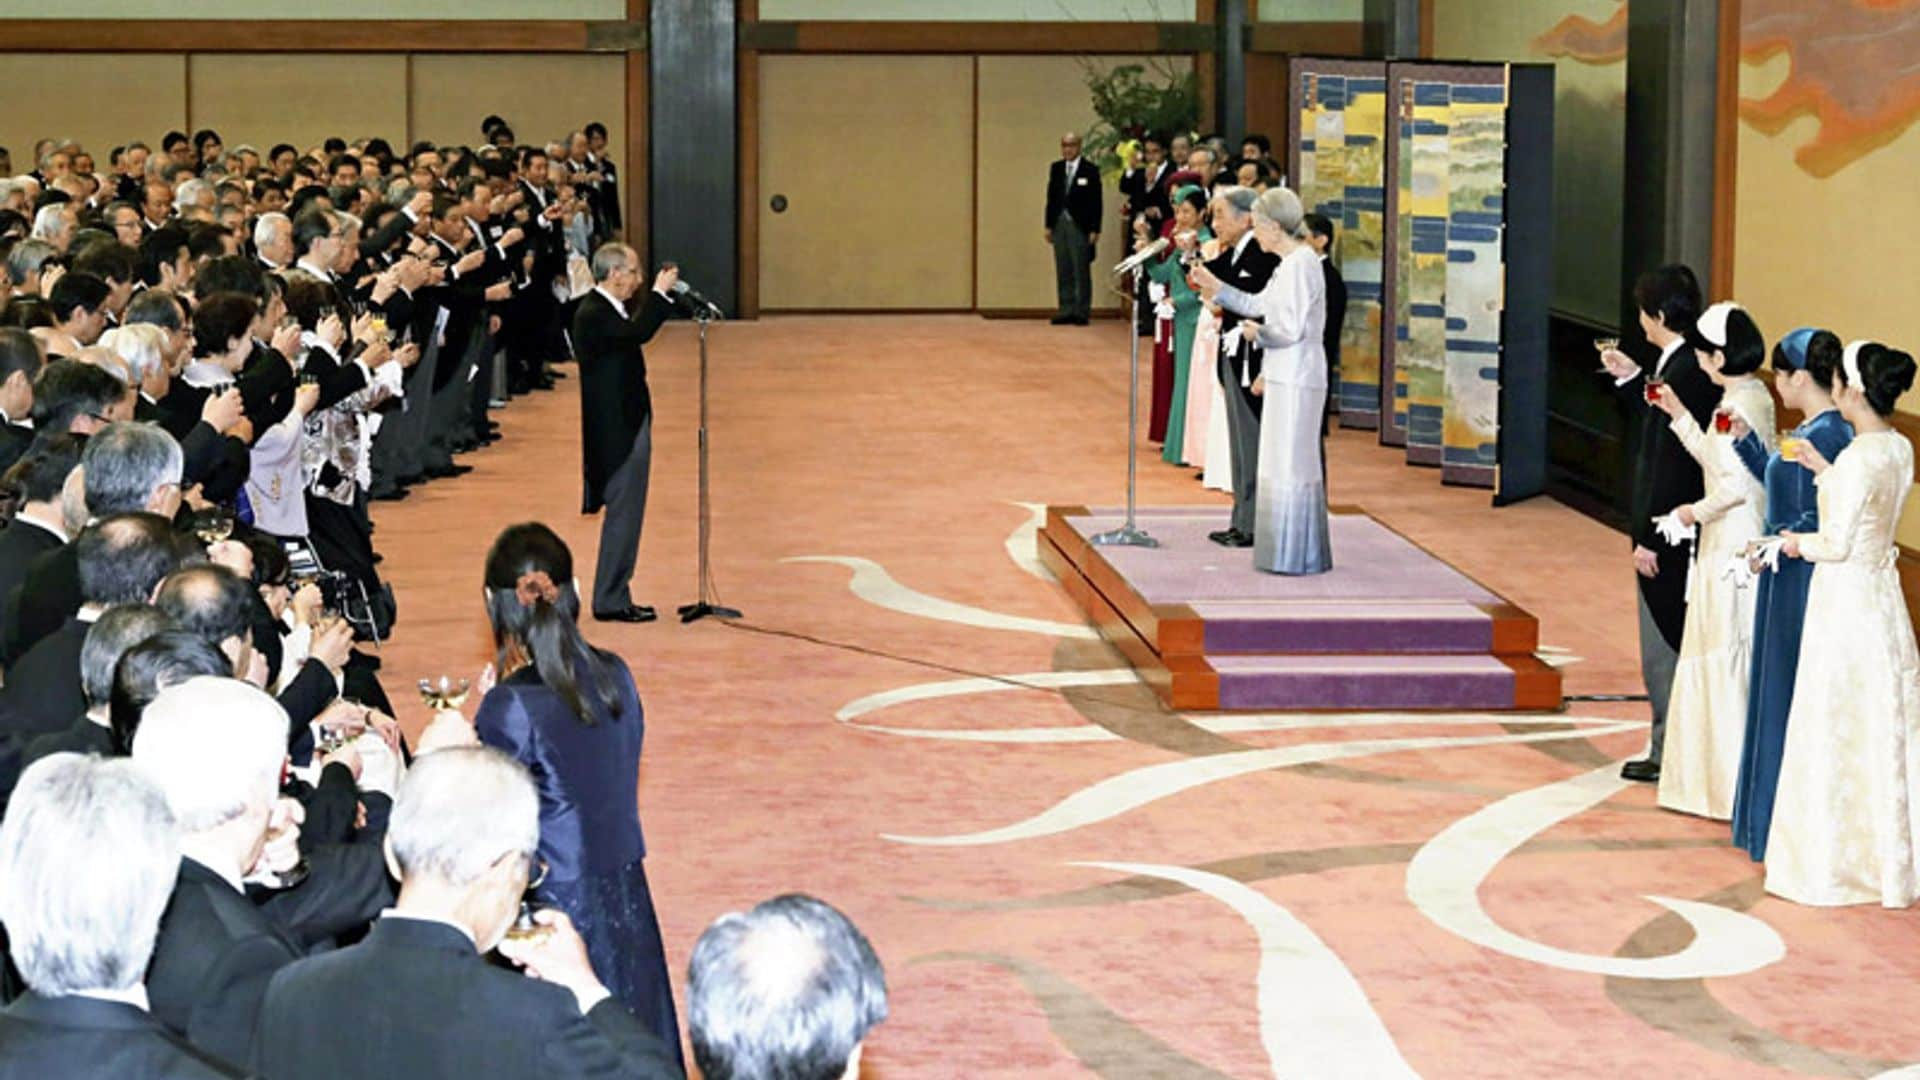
(1673, 86)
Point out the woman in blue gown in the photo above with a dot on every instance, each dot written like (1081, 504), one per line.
(571, 714)
(1804, 363)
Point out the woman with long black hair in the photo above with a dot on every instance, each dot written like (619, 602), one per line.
(571, 714)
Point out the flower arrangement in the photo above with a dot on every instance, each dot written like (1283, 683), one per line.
(1132, 100)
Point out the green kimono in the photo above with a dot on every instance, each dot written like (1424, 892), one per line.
(1186, 316)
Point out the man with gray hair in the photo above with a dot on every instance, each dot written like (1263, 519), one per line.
(126, 468)
(1073, 229)
(789, 989)
(88, 854)
(26, 264)
(215, 748)
(616, 417)
(1246, 266)
(416, 996)
(53, 224)
(194, 201)
(273, 241)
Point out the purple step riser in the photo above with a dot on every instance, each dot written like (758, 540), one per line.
(1471, 636)
(1383, 691)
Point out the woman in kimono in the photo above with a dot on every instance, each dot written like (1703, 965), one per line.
(1844, 828)
(1170, 273)
(1706, 717)
(571, 714)
(1804, 364)
(1288, 318)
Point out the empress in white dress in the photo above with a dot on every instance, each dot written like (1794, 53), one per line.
(1290, 516)
(1707, 715)
(1844, 821)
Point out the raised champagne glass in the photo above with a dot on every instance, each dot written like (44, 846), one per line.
(444, 692)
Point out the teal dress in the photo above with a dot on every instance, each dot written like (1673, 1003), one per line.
(1170, 272)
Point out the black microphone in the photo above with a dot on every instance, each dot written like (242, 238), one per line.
(691, 297)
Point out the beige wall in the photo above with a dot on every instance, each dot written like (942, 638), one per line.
(983, 10)
(314, 9)
(1589, 134)
(1026, 104)
(299, 98)
(1313, 10)
(874, 155)
(101, 100)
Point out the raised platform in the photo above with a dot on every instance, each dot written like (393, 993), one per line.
(1390, 627)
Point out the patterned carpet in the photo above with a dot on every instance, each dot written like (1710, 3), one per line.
(1063, 878)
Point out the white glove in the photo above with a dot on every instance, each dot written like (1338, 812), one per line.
(1737, 571)
(1672, 531)
(1769, 552)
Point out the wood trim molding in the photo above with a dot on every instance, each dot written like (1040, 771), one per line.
(1909, 567)
(1308, 38)
(1726, 147)
(831, 36)
(321, 35)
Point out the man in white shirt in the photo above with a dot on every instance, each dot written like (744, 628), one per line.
(1073, 229)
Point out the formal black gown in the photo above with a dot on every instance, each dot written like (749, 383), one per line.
(589, 778)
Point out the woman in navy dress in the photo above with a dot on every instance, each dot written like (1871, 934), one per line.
(1804, 363)
(571, 714)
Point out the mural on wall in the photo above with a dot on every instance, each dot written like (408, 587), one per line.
(1839, 51)
(1342, 174)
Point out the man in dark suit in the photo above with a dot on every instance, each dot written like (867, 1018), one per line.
(416, 996)
(120, 561)
(129, 467)
(215, 747)
(1665, 475)
(1320, 233)
(39, 524)
(607, 197)
(616, 416)
(1073, 229)
(1145, 194)
(1246, 266)
(86, 1013)
(117, 631)
(19, 363)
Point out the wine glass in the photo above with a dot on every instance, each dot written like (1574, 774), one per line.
(213, 525)
(1653, 389)
(444, 692)
(524, 927)
(1605, 345)
(1790, 448)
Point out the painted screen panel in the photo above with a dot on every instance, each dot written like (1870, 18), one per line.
(1476, 284)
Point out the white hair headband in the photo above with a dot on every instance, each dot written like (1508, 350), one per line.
(1712, 323)
(1850, 363)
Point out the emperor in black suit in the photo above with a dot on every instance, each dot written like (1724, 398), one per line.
(616, 415)
(1246, 266)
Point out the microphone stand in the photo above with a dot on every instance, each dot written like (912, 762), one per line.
(706, 605)
(1130, 534)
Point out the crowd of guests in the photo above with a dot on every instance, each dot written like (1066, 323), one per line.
(1245, 306)
(1775, 639)
(219, 855)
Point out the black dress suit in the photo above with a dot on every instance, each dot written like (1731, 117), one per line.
(211, 965)
(1073, 221)
(14, 440)
(43, 693)
(21, 542)
(415, 999)
(48, 597)
(1079, 196)
(1246, 268)
(1336, 318)
(82, 737)
(219, 463)
(202, 449)
(81, 1037)
(616, 431)
(1665, 476)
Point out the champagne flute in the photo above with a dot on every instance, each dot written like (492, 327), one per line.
(444, 692)
(1605, 345)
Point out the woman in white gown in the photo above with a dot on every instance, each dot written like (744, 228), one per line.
(1290, 316)
(1707, 716)
(1846, 820)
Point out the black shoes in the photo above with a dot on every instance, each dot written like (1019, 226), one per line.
(634, 613)
(1061, 320)
(1645, 771)
(1232, 538)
